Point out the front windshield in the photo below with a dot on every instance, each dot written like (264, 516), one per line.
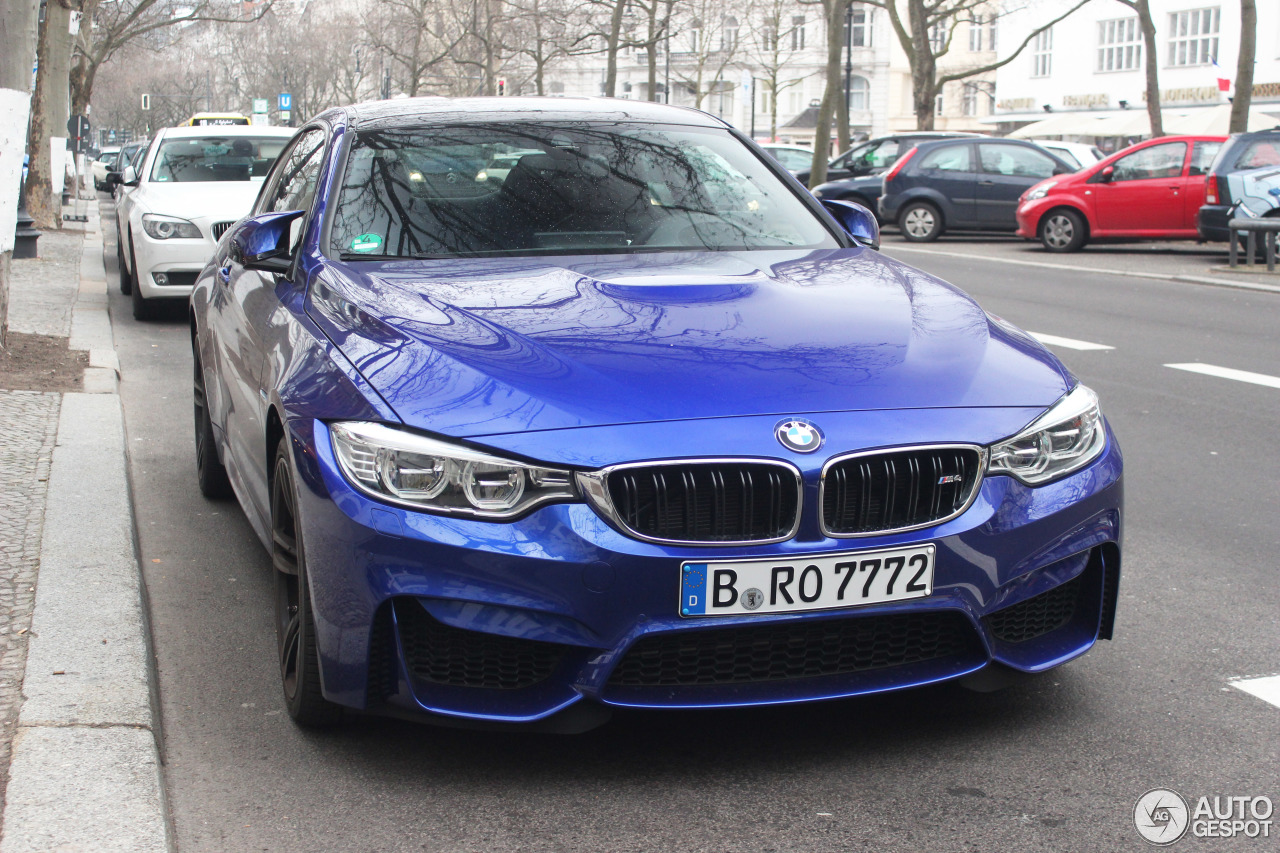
(562, 188)
(215, 158)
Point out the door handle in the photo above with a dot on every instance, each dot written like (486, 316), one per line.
(986, 183)
(224, 274)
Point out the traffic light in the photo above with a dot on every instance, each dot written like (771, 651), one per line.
(502, 86)
(146, 102)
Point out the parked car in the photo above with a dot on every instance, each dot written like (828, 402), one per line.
(129, 155)
(1148, 191)
(192, 184)
(639, 425)
(793, 158)
(1242, 151)
(963, 185)
(876, 155)
(102, 164)
(1077, 154)
(1257, 192)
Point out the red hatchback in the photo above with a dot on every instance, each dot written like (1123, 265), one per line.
(1148, 191)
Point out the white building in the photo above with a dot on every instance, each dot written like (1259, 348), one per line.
(1093, 63)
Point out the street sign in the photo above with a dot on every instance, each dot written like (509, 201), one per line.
(284, 116)
(78, 131)
(286, 102)
(259, 105)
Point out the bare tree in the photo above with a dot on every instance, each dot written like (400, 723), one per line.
(49, 112)
(1244, 66)
(833, 15)
(18, 35)
(544, 32)
(416, 37)
(711, 47)
(1148, 27)
(767, 48)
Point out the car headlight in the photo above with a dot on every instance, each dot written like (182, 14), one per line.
(1064, 439)
(169, 227)
(436, 476)
(1041, 191)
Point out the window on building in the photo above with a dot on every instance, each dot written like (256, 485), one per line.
(860, 32)
(975, 33)
(937, 104)
(1119, 45)
(729, 34)
(764, 100)
(938, 34)
(695, 35)
(991, 32)
(1042, 54)
(859, 94)
(797, 32)
(1193, 36)
(969, 99)
(769, 35)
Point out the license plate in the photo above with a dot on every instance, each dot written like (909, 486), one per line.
(789, 585)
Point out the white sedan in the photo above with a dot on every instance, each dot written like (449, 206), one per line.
(193, 184)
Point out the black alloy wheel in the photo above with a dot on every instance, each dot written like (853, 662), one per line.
(295, 628)
(210, 472)
(920, 222)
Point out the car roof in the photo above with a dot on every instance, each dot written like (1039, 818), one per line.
(227, 130)
(408, 112)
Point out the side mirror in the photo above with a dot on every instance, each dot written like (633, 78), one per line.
(1106, 174)
(130, 177)
(855, 219)
(262, 242)
(113, 178)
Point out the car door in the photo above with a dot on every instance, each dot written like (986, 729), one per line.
(1203, 152)
(1144, 193)
(951, 171)
(242, 303)
(1008, 171)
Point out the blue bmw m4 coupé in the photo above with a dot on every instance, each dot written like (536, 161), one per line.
(544, 407)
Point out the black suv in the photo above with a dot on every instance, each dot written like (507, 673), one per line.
(1241, 151)
(875, 155)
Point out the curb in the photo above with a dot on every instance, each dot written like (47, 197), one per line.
(1159, 276)
(85, 773)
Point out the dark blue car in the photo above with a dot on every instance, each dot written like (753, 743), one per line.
(639, 423)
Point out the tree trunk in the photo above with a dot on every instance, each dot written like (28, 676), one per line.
(46, 121)
(85, 68)
(615, 35)
(651, 53)
(842, 105)
(832, 94)
(1244, 66)
(18, 35)
(1153, 65)
(924, 67)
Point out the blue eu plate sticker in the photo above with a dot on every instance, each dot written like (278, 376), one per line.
(366, 243)
(693, 589)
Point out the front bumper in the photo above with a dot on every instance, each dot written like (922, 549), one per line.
(518, 622)
(1211, 223)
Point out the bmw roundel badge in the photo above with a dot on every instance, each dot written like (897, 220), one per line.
(798, 435)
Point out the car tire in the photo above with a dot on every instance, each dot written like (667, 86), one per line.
(210, 472)
(920, 222)
(1063, 230)
(143, 308)
(126, 278)
(297, 652)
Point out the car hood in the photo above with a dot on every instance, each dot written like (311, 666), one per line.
(213, 200)
(481, 347)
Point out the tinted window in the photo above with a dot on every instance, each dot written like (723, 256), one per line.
(1202, 156)
(296, 185)
(215, 158)
(948, 158)
(879, 155)
(588, 188)
(1015, 161)
(1263, 152)
(1156, 161)
(792, 159)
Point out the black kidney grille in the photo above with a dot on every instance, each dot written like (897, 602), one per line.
(220, 228)
(766, 653)
(898, 489)
(707, 501)
(441, 654)
(1038, 615)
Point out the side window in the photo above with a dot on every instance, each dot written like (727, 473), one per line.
(1156, 161)
(948, 158)
(882, 156)
(296, 185)
(1261, 153)
(1015, 161)
(1202, 154)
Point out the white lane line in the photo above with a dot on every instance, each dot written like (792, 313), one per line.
(1229, 373)
(1069, 343)
(1266, 688)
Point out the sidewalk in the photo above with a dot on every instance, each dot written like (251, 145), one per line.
(79, 762)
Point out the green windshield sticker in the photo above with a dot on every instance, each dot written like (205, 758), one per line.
(366, 243)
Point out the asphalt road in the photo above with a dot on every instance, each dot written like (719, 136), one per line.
(1054, 764)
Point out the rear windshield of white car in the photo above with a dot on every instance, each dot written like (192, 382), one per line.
(215, 158)
(562, 188)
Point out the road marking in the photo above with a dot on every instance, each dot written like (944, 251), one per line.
(1069, 343)
(1266, 688)
(1229, 373)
